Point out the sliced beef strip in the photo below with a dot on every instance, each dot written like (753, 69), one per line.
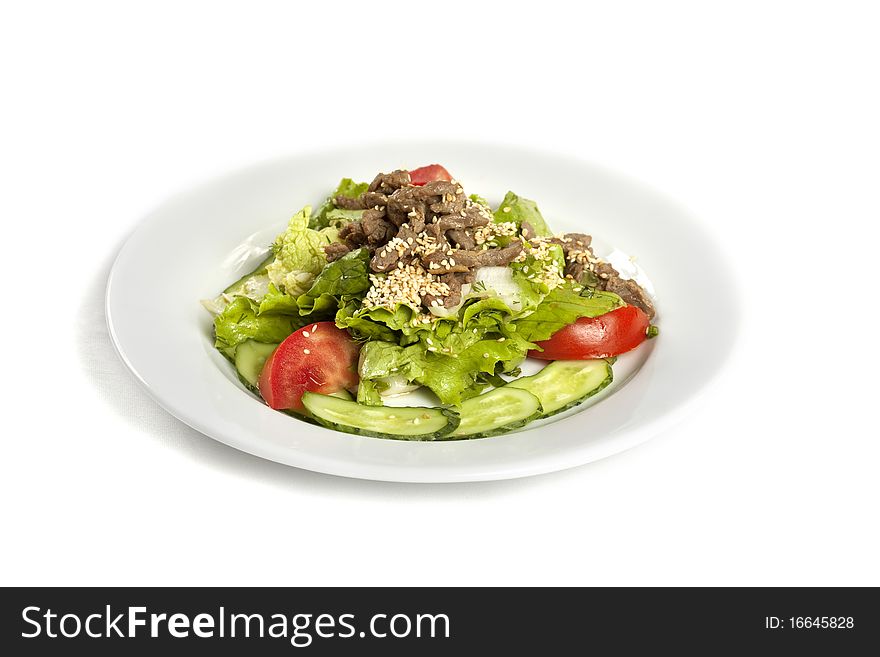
(347, 203)
(628, 290)
(416, 221)
(374, 199)
(404, 209)
(353, 234)
(362, 202)
(455, 281)
(335, 251)
(572, 242)
(462, 239)
(441, 263)
(633, 294)
(439, 188)
(461, 261)
(390, 181)
(448, 206)
(377, 229)
(577, 270)
(433, 231)
(442, 197)
(577, 241)
(469, 219)
(386, 258)
(498, 257)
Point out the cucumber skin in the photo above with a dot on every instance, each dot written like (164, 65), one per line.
(577, 402)
(452, 421)
(247, 384)
(507, 428)
(502, 429)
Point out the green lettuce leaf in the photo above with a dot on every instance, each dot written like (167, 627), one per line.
(562, 306)
(338, 217)
(454, 356)
(517, 209)
(454, 379)
(381, 359)
(275, 302)
(368, 394)
(339, 281)
(241, 321)
(363, 328)
(328, 214)
(299, 254)
(476, 198)
(537, 277)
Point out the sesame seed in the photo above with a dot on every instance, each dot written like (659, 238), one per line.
(506, 209)
(501, 339)
(486, 355)
(306, 334)
(306, 352)
(314, 328)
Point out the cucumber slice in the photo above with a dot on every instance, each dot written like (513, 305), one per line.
(242, 285)
(497, 411)
(407, 423)
(566, 383)
(250, 357)
(253, 285)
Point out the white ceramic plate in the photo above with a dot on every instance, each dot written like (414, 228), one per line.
(200, 241)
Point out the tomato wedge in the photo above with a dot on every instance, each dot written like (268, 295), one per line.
(428, 174)
(604, 336)
(317, 358)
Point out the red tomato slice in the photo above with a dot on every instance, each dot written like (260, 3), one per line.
(607, 335)
(317, 358)
(428, 174)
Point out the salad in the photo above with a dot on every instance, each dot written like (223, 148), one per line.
(409, 283)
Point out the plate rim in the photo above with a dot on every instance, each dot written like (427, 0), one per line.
(530, 467)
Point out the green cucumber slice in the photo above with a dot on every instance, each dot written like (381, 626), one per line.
(240, 287)
(253, 285)
(406, 423)
(250, 357)
(566, 383)
(497, 411)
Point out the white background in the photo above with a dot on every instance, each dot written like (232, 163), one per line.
(761, 117)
